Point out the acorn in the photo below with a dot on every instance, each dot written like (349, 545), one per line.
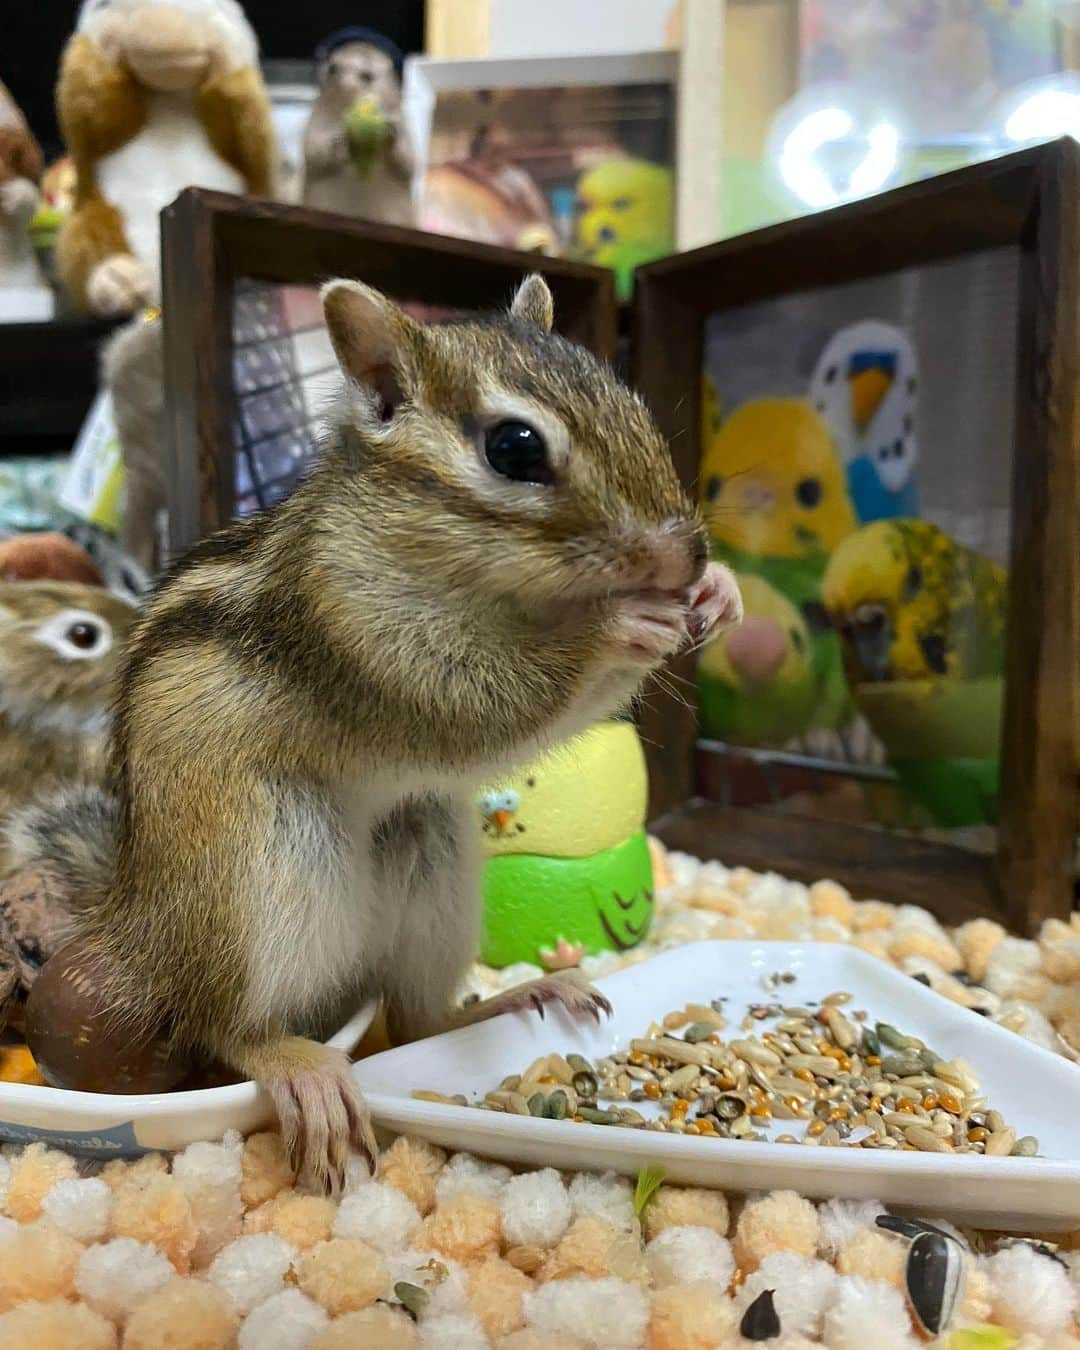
(80, 1038)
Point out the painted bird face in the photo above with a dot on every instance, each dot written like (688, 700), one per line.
(499, 811)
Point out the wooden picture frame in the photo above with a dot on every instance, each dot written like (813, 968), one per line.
(1029, 201)
(211, 241)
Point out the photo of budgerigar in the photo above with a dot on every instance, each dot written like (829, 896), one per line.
(921, 621)
(910, 603)
(758, 683)
(865, 387)
(776, 503)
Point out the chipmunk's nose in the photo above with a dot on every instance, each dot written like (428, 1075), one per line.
(680, 552)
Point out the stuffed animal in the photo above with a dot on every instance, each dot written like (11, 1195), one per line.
(358, 160)
(47, 557)
(568, 868)
(20, 168)
(626, 217)
(133, 371)
(60, 645)
(153, 97)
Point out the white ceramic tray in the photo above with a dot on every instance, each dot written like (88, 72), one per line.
(1037, 1091)
(95, 1124)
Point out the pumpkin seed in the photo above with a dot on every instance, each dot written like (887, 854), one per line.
(412, 1298)
(555, 1108)
(888, 1035)
(698, 1031)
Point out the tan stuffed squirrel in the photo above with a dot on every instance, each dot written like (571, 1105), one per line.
(358, 159)
(153, 97)
(20, 169)
(492, 554)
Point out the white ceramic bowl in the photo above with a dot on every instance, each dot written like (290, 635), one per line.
(97, 1125)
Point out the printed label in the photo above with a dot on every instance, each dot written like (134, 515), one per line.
(95, 478)
(112, 1141)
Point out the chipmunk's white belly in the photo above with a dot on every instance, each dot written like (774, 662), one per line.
(325, 920)
(170, 153)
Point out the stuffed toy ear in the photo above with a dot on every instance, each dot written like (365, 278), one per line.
(373, 340)
(533, 303)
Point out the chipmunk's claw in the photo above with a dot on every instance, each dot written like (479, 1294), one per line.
(714, 603)
(567, 989)
(323, 1117)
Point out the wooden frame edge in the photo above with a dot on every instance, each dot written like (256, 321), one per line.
(1031, 200)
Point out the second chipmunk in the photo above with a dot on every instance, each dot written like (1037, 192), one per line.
(492, 555)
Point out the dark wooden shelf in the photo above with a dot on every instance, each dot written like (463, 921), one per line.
(873, 864)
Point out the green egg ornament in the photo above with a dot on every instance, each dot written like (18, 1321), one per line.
(568, 870)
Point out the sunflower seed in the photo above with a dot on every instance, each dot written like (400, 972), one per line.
(934, 1278)
(760, 1321)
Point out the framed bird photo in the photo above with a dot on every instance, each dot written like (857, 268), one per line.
(877, 410)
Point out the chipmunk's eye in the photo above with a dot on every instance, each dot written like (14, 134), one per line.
(516, 451)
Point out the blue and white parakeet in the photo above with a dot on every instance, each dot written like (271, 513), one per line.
(865, 386)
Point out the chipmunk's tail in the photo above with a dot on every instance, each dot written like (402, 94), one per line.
(71, 835)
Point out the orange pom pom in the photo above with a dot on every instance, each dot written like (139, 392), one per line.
(183, 1315)
(466, 1228)
(37, 1263)
(344, 1275)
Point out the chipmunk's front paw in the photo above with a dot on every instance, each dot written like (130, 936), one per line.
(567, 989)
(646, 629)
(715, 604)
(323, 1116)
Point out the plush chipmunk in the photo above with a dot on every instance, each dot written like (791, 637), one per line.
(20, 168)
(153, 97)
(59, 658)
(358, 160)
(60, 645)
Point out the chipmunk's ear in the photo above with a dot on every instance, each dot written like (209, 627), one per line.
(372, 338)
(533, 303)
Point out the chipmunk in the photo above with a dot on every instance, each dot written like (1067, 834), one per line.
(492, 554)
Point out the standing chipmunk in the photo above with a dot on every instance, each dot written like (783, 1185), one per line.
(491, 556)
